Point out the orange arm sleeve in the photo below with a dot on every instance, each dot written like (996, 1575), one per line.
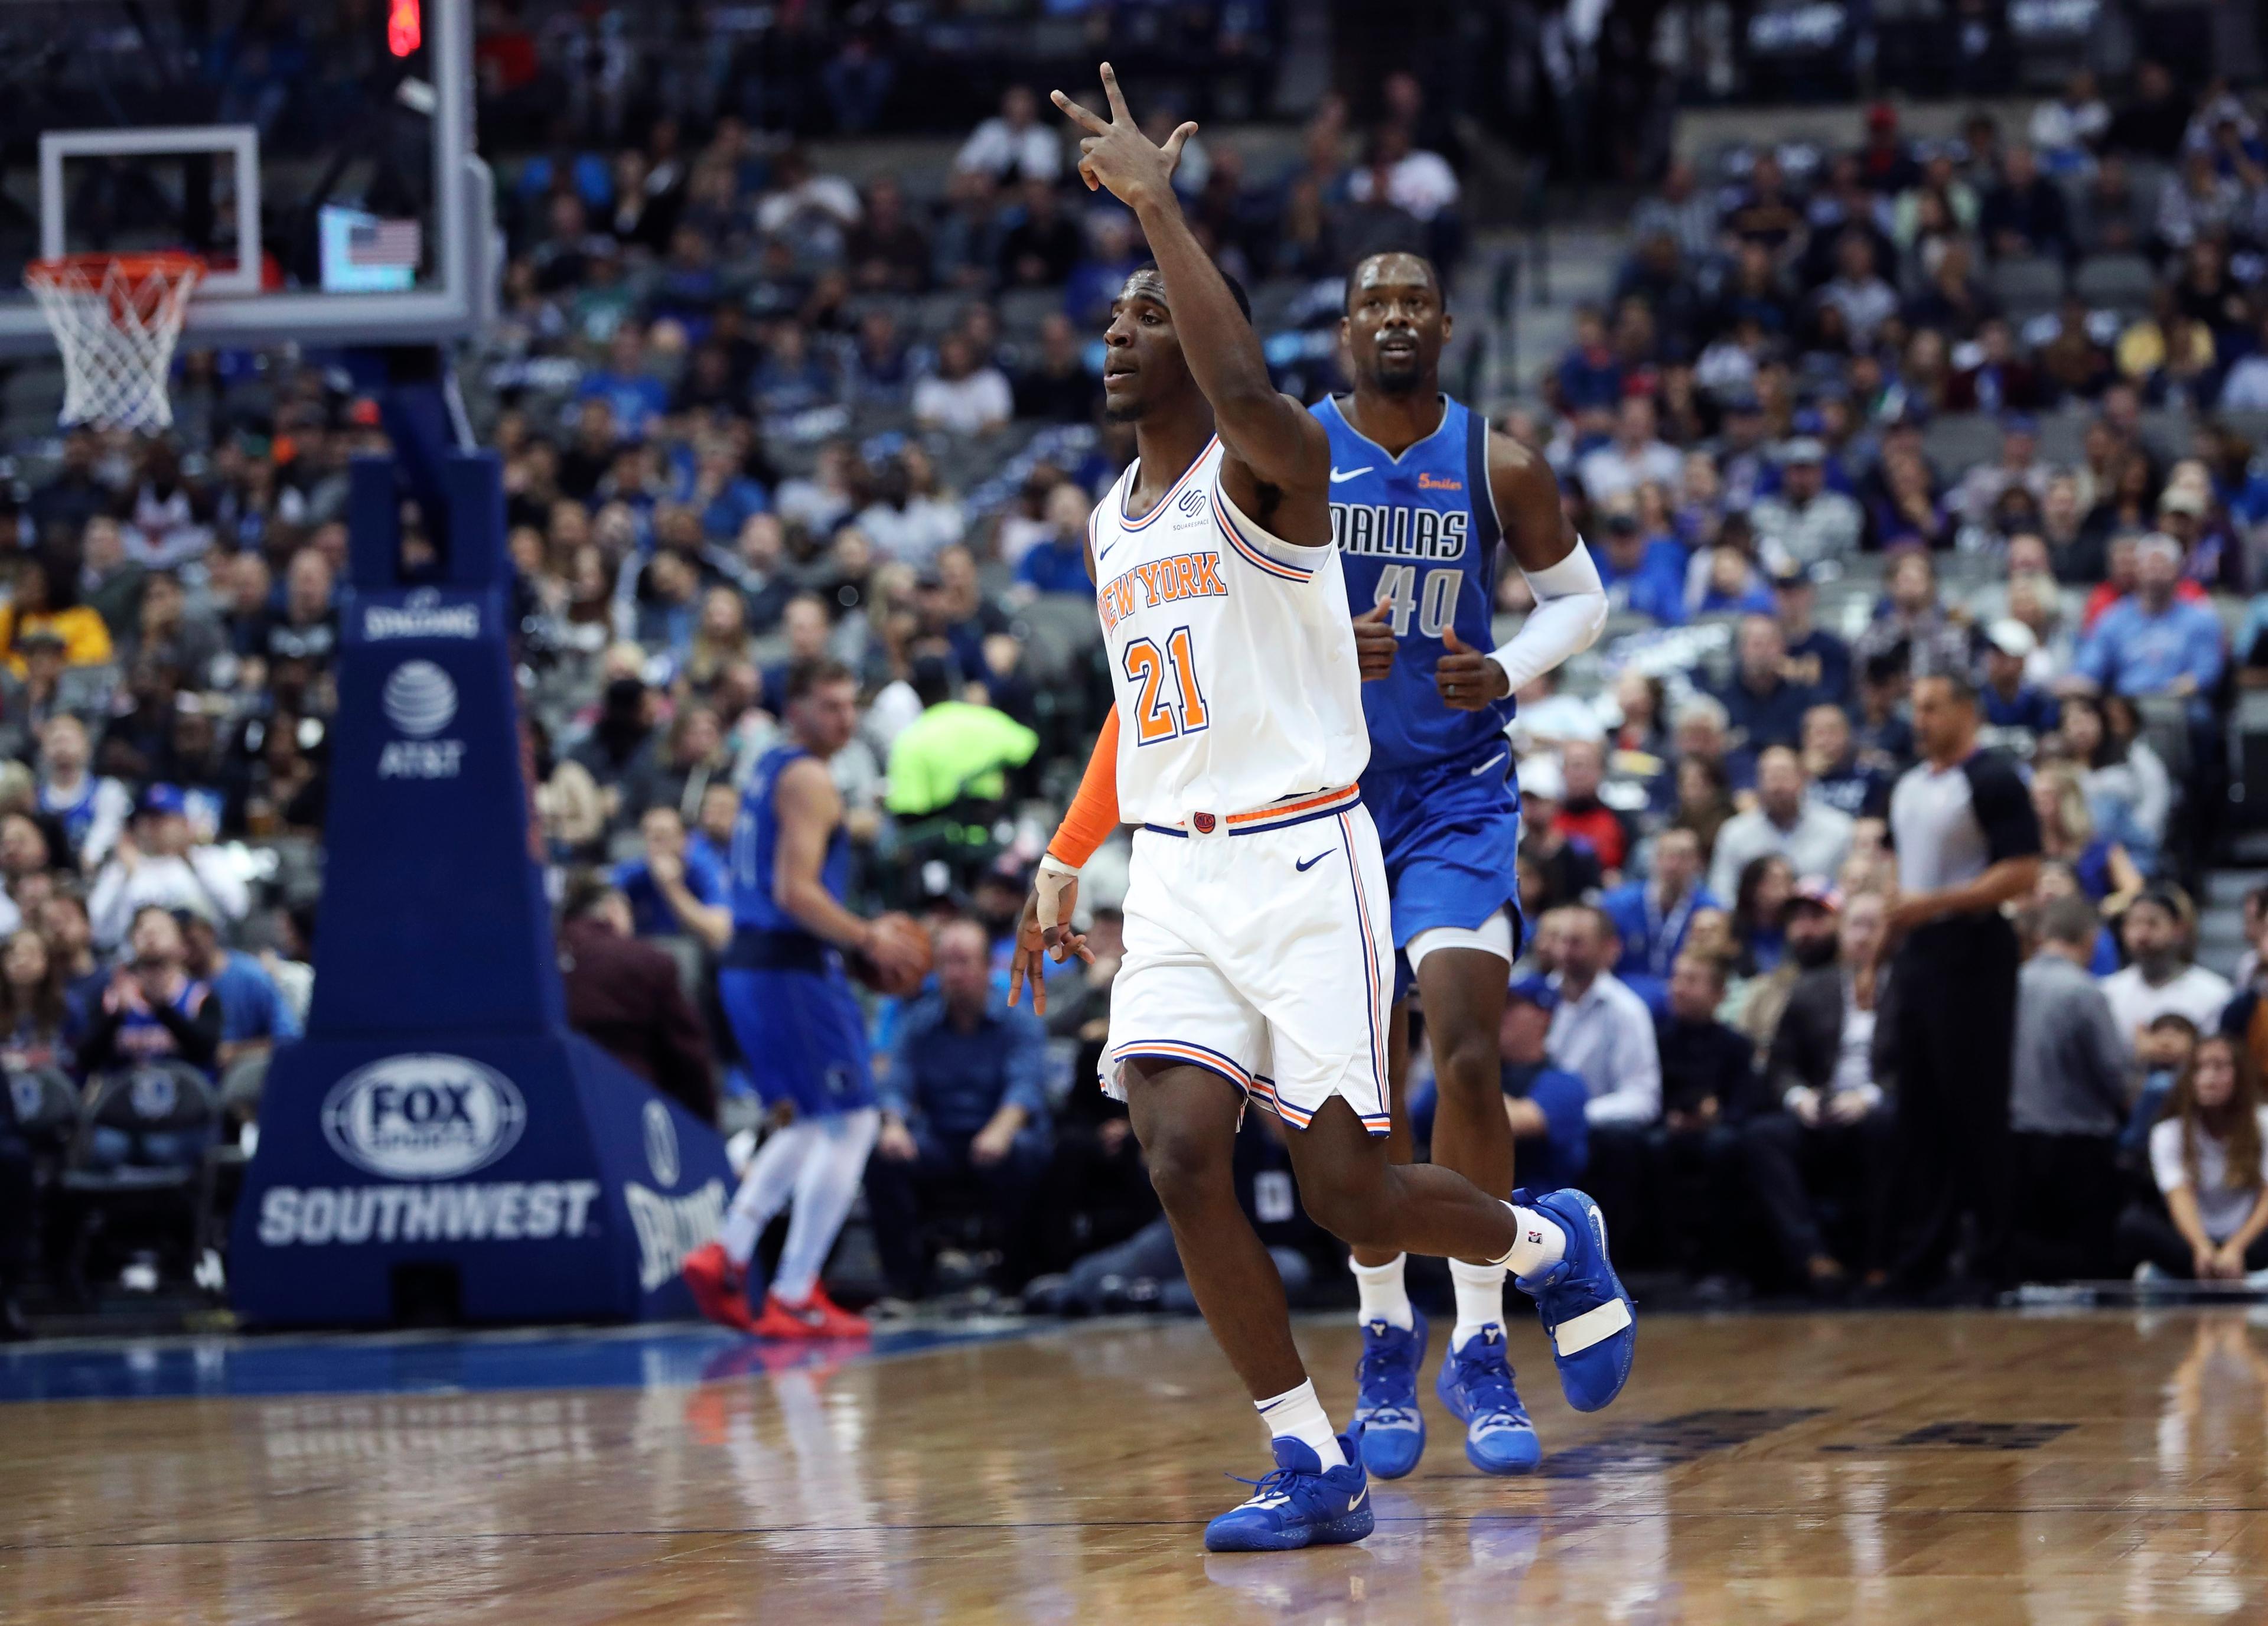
(1093, 813)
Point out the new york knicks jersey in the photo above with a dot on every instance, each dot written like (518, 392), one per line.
(1230, 651)
(1418, 534)
(756, 846)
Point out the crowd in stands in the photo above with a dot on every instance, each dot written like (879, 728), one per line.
(753, 413)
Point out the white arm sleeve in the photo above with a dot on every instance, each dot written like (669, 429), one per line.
(1570, 607)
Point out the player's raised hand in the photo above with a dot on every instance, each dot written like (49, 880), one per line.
(1117, 155)
(1374, 643)
(1466, 679)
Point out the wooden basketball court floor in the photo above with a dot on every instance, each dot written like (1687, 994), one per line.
(1924, 1468)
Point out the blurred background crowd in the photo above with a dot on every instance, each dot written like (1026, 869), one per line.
(799, 358)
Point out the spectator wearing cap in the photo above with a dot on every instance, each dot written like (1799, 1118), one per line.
(1804, 521)
(2068, 1102)
(1545, 1103)
(1829, 1132)
(2161, 974)
(1785, 821)
(158, 863)
(1643, 574)
(626, 998)
(2019, 711)
(1652, 915)
(1815, 659)
(1967, 842)
(1764, 704)
(1634, 457)
(1561, 867)
(2153, 642)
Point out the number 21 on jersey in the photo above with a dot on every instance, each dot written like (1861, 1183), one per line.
(1157, 717)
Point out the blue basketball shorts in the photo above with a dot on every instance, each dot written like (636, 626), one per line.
(802, 1038)
(1450, 833)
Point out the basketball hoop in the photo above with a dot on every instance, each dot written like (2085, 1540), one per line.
(116, 319)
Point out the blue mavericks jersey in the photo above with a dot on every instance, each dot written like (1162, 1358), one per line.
(755, 838)
(1418, 534)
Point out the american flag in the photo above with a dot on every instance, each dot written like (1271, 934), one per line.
(373, 242)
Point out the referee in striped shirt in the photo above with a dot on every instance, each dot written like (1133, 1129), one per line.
(1968, 843)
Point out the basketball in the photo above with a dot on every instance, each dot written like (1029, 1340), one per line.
(902, 985)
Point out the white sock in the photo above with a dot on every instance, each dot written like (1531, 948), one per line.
(1480, 1299)
(765, 1189)
(1539, 1245)
(1299, 1414)
(1384, 1298)
(824, 1190)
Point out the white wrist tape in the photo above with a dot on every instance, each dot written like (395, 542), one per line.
(1049, 865)
(1571, 608)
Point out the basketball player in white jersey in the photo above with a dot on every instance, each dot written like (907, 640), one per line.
(1258, 945)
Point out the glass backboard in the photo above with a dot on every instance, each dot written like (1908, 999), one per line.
(319, 154)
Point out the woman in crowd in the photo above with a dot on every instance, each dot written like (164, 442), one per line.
(2210, 1219)
(2104, 872)
(31, 1010)
(2128, 790)
(1765, 884)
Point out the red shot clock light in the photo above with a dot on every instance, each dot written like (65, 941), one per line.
(405, 29)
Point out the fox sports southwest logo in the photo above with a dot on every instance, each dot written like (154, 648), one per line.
(424, 1117)
(419, 699)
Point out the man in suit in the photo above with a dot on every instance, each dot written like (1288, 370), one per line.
(624, 995)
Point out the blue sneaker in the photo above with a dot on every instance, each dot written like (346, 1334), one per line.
(1475, 1385)
(1593, 1324)
(1392, 1430)
(1299, 1504)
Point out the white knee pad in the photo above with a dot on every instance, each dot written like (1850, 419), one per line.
(1492, 936)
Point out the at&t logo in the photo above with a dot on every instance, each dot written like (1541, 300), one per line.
(420, 701)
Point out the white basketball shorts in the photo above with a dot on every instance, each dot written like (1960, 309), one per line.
(1262, 950)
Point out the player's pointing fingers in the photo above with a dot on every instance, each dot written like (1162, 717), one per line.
(1077, 114)
(1118, 114)
(1451, 642)
(1176, 142)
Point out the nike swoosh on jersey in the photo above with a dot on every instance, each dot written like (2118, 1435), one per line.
(1340, 477)
(1485, 767)
(1311, 863)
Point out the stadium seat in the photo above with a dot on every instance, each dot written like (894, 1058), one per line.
(136, 1169)
(2121, 280)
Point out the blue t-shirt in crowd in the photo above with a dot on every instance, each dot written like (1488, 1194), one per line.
(2134, 652)
(637, 400)
(2030, 708)
(1564, 1154)
(1056, 567)
(1830, 659)
(650, 911)
(251, 1005)
(1655, 585)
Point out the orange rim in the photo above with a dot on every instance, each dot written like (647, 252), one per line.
(138, 268)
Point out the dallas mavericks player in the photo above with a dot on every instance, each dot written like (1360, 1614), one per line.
(797, 1021)
(1421, 493)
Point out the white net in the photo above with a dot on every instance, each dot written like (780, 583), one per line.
(116, 322)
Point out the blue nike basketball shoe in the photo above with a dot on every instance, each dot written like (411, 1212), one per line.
(1475, 1386)
(1392, 1430)
(1299, 1504)
(1584, 1307)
